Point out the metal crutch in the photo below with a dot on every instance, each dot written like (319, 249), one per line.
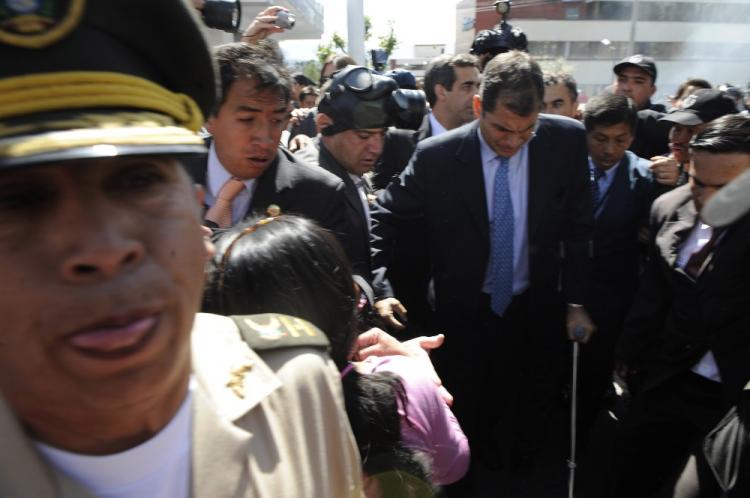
(579, 332)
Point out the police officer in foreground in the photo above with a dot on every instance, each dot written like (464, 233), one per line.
(104, 389)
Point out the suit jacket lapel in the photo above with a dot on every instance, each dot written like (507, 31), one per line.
(469, 180)
(328, 162)
(674, 232)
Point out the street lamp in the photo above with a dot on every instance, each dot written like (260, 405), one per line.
(502, 7)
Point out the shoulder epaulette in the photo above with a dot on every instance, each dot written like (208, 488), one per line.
(272, 331)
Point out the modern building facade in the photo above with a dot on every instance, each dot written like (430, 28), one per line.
(688, 38)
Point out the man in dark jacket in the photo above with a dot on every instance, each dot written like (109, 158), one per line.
(686, 335)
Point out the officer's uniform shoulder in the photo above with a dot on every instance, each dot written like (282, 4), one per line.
(270, 331)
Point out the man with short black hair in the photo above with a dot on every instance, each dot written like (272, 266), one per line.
(245, 167)
(686, 335)
(450, 83)
(560, 95)
(622, 190)
(500, 200)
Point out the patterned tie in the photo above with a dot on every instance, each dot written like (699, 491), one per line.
(596, 175)
(501, 241)
(221, 212)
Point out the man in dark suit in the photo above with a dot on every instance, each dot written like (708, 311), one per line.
(687, 334)
(622, 188)
(244, 149)
(450, 83)
(505, 205)
(353, 125)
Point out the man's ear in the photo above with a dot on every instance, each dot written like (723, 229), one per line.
(322, 120)
(653, 89)
(440, 92)
(477, 105)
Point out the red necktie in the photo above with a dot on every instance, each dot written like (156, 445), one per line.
(221, 212)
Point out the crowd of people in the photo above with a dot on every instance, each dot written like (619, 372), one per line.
(221, 279)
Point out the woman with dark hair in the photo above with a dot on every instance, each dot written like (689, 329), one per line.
(290, 265)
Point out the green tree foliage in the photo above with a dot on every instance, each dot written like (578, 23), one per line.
(389, 42)
(325, 50)
(339, 42)
(368, 28)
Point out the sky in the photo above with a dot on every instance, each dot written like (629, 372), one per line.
(416, 22)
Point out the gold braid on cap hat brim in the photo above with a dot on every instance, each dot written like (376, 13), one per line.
(73, 90)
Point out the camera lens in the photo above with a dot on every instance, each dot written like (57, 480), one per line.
(222, 14)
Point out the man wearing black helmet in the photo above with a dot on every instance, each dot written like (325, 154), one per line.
(490, 42)
(354, 114)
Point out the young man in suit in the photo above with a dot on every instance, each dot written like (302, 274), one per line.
(622, 189)
(244, 153)
(110, 385)
(560, 95)
(505, 206)
(686, 335)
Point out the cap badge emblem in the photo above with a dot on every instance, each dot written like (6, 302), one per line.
(37, 23)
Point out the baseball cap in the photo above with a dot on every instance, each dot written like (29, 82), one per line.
(702, 106)
(87, 79)
(641, 62)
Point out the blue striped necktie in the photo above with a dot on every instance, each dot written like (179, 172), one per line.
(501, 240)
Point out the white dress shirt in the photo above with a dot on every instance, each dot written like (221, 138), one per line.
(435, 127)
(158, 468)
(518, 181)
(216, 177)
(699, 236)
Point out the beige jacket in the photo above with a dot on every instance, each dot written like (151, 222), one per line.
(273, 427)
